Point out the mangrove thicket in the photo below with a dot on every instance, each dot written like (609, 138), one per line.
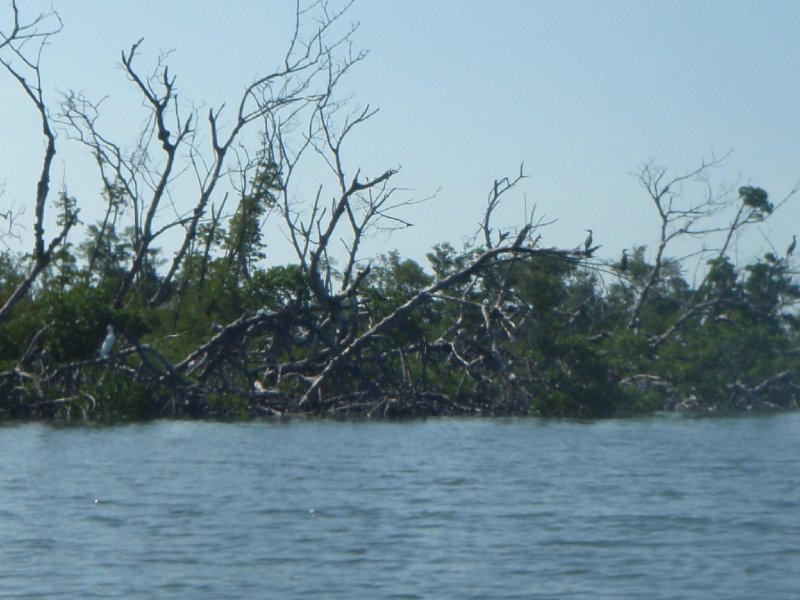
(505, 324)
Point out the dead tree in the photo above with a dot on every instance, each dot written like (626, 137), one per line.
(20, 54)
(682, 218)
(305, 79)
(344, 371)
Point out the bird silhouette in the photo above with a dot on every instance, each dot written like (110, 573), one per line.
(792, 246)
(623, 262)
(587, 244)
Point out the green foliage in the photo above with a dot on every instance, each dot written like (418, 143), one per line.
(756, 198)
(229, 406)
(106, 254)
(445, 260)
(11, 274)
(544, 335)
(276, 287)
(575, 380)
(244, 244)
(394, 280)
(74, 322)
(119, 397)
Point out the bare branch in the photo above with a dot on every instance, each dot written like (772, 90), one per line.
(39, 31)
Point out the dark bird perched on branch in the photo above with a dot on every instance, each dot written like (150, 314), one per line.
(792, 246)
(587, 244)
(623, 262)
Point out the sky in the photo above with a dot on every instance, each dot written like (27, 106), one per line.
(582, 92)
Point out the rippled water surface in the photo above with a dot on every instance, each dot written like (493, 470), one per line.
(656, 508)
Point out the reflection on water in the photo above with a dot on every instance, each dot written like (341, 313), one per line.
(656, 508)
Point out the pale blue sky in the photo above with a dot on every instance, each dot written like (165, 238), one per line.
(582, 92)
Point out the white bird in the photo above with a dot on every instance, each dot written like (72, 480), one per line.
(108, 343)
(587, 244)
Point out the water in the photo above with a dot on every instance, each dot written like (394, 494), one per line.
(656, 508)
